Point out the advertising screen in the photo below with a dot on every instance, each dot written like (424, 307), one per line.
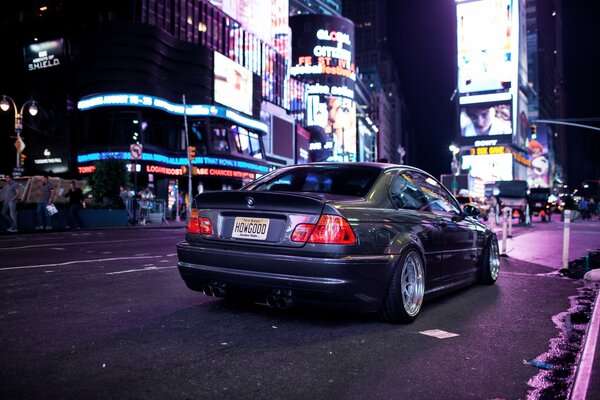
(538, 172)
(39, 56)
(489, 168)
(323, 54)
(486, 119)
(485, 45)
(233, 84)
(337, 117)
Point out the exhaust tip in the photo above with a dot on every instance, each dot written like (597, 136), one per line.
(208, 290)
(218, 291)
(284, 302)
(271, 301)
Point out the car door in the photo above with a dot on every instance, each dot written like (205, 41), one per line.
(411, 204)
(459, 233)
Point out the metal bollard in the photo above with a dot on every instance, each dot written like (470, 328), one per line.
(509, 213)
(566, 231)
(504, 229)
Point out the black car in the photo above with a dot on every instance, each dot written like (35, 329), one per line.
(539, 203)
(367, 237)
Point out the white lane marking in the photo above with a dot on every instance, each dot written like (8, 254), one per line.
(438, 333)
(69, 244)
(56, 248)
(72, 244)
(584, 370)
(171, 255)
(138, 270)
(164, 261)
(75, 262)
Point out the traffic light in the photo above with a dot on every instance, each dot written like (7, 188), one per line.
(22, 158)
(533, 131)
(191, 153)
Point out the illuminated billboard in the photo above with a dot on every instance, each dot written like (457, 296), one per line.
(267, 19)
(337, 117)
(233, 84)
(44, 55)
(490, 167)
(486, 47)
(539, 171)
(486, 119)
(323, 54)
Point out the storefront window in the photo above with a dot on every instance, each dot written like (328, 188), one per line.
(247, 143)
(219, 140)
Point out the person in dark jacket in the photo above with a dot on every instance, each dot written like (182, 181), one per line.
(75, 196)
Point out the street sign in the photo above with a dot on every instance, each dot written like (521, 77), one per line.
(19, 145)
(18, 171)
(136, 151)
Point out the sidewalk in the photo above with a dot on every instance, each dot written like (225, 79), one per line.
(545, 247)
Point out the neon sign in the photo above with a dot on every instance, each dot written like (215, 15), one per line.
(158, 169)
(137, 100)
(223, 172)
(176, 161)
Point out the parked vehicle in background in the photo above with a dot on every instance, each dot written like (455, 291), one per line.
(512, 194)
(539, 203)
(365, 237)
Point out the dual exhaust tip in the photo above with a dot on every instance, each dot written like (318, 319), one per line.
(279, 299)
(281, 302)
(214, 290)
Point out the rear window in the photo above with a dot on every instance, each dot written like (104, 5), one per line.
(347, 181)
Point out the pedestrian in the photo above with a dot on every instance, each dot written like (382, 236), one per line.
(75, 196)
(591, 208)
(583, 208)
(44, 218)
(12, 194)
(146, 204)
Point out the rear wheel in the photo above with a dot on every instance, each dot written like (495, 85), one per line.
(407, 288)
(490, 262)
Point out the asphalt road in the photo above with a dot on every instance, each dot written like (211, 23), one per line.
(103, 314)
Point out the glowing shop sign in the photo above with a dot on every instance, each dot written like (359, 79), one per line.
(88, 169)
(202, 110)
(175, 161)
(158, 169)
(223, 172)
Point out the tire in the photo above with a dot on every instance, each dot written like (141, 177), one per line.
(490, 262)
(404, 298)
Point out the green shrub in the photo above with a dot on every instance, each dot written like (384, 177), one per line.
(110, 173)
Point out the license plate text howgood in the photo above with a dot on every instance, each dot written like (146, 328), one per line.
(250, 228)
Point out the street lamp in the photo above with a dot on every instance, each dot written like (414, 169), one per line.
(454, 149)
(5, 104)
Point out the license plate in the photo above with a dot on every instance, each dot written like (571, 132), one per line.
(250, 228)
(538, 204)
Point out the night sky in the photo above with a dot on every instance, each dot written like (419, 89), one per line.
(422, 41)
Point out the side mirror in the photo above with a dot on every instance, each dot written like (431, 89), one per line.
(471, 210)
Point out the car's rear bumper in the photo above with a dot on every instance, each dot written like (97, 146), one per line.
(356, 283)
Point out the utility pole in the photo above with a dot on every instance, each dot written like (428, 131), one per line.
(187, 150)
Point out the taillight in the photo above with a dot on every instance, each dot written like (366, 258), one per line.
(205, 226)
(193, 225)
(330, 229)
(199, 225)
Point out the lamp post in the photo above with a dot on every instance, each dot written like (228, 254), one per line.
(454, 149)
(5, 104)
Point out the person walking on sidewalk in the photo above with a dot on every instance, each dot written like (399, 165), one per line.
(75, 196)
(45, 200)
(11, 197)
